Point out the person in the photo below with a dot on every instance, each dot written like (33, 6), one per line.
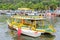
(48, 16)
(53, 15)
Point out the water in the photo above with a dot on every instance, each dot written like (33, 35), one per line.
(7, 34)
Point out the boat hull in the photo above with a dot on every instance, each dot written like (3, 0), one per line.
(27, 32)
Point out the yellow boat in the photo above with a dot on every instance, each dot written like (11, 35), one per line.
(31, 25)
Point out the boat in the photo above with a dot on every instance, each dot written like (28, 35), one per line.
(30, 25)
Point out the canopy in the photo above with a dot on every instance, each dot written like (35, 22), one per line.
(29, 17)
(24, 9)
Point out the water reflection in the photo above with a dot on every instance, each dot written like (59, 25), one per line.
(47, 37)
(14, 36)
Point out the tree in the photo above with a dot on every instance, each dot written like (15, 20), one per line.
(53, 5)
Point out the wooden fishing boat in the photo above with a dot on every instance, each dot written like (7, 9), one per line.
(30, 25)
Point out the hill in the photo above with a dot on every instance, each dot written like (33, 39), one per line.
(34, 4)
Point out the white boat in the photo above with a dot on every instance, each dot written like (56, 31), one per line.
(30, 29)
